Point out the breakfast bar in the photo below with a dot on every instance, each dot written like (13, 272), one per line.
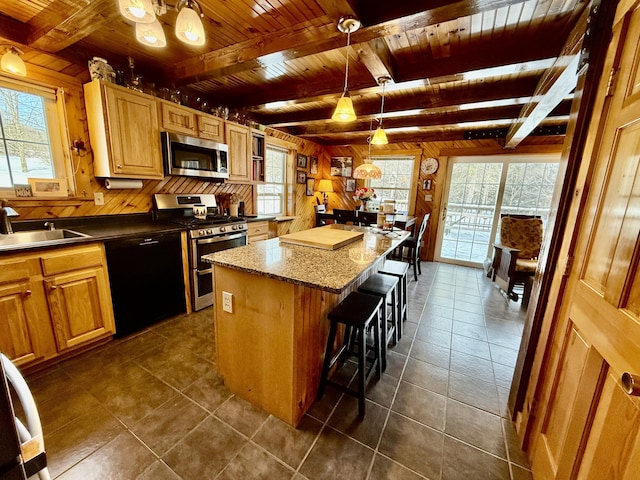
(270, 307)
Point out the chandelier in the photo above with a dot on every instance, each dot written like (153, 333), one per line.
(144, 13)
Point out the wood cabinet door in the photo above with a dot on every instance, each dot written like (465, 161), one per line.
(18, 338)
(80, 306)
(588, 426)
(239, 152)
(134, 134)
(178, 119)
(211, 128)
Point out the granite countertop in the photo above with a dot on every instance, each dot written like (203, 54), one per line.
(328, 270)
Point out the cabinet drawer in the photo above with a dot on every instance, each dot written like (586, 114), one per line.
(14, 270)
(257, 238)
(257, 228)
(71, 259)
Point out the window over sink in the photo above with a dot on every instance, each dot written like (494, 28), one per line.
(30, 134)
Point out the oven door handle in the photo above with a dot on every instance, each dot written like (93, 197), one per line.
(220, 238)
(204, 272)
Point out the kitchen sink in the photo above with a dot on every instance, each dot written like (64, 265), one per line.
(38, 236)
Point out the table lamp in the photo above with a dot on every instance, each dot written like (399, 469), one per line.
(325, 186)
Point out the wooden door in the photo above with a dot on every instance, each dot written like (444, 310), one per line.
(18, 318)
(80, 308)
(239, 151)
(134, 134)
(587, 426)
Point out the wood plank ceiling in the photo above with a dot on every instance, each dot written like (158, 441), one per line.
(459, 69)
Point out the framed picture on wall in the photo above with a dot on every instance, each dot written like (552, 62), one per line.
(302, 161)
(301, 177)
(350, 185)
(426, 184)
(313, 165)
(341, 166)
(311, 185)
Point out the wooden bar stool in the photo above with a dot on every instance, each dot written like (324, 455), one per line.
(399, 270)
(384, 286)
(358, 312)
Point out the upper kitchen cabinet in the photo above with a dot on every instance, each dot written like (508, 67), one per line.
(258, 153)
(239, 140)
(124, 132)
(178, 119)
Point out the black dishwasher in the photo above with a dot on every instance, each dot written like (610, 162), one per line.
(147, 281)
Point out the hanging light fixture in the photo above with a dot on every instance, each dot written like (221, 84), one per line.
(344, 110)
(367, 169)
(139, 11)
(11, 61)
(144, 13)
(380, 136)
(189, 27)
(151, 34)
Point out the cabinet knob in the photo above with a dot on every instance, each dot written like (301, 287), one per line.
(27, 293)
(53, 287)
(630, 384)
(119, 167)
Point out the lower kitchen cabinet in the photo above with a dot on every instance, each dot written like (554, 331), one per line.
(53, 301)
(257, 231)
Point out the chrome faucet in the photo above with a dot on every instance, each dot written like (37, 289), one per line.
(5, 212)
(50, 225)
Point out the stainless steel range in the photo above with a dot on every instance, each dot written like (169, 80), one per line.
(214, 233)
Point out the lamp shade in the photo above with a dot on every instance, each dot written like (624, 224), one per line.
(367, 170)
(139, 11)
(189, 27)
(12, 63)
(379, 137)
(151, 34)
(344, 110)
(325, 186)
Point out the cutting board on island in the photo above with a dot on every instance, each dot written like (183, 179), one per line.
(327, 237)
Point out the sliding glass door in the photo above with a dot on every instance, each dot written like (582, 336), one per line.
(479, 189)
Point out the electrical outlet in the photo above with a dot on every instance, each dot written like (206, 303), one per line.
(227, 302)
(98, 198)
(428, 197)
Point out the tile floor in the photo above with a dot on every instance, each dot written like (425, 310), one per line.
(152, 406)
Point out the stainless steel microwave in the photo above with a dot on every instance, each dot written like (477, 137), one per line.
(194, 157)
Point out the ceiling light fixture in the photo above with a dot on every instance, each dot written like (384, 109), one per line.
(151, 34)
(380, 136)
(11, 61)
(344, 110)
(189, 28)
(139, 11)
(367, 169)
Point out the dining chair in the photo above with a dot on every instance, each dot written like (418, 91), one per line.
(344, 216)
(413, 245)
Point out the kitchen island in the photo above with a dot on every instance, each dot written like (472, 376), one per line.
(270, 346)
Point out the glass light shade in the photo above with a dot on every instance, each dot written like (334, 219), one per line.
(12, 63)
(325, 185)
(379, 137)
(139, 11)
(344, 110)
(189, 27)
(367, 170)
(151, 34)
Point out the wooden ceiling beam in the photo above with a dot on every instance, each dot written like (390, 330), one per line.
(13, 31)
(426, 119)
(65, 22)
(312, 38)
(485, 91)
(502, 53)
(557, 82)
(377, 59)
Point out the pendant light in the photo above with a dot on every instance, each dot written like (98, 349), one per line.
(151, 34)
(344, 110)
(139, 11)
(189, 27)
(11, 61)
(380, 136)
(367, 169)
